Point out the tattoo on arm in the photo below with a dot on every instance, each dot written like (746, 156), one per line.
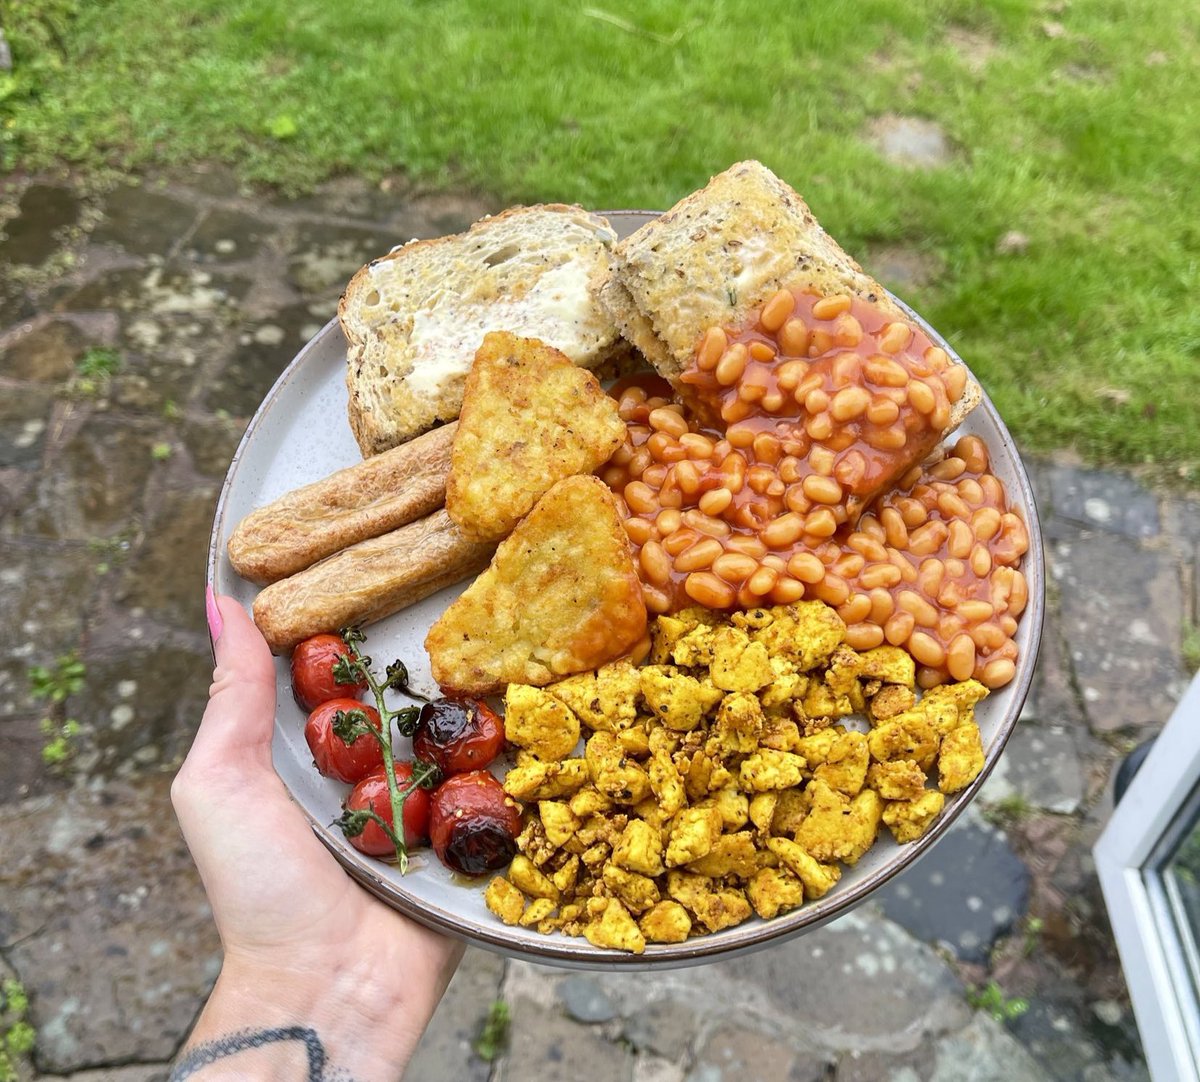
(210, 1052)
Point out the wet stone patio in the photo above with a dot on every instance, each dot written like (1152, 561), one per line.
(139, 328)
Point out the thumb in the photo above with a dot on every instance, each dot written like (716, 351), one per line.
(240, 716)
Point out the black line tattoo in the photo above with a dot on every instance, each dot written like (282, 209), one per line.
(205, 1054)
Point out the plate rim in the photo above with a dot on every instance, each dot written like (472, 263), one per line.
(757, 934)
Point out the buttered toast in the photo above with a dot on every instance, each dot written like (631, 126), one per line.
(414, 318)
(717, 256)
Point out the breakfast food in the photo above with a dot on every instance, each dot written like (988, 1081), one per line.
(414, 318)
(529, 418)
(718, 781)
(561, 596)
(362, 501)
(763, 325)
(368, 581)
(932, 567)
(745, 606)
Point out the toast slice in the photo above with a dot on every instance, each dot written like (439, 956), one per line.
(716, 257)
(529, 418)
(414, 318)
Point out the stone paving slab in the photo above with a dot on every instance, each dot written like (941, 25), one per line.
(204, 289)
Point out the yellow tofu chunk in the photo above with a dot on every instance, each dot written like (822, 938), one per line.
(906, 736)
(767, 769)
(722, 909)
(536, 780)
(695, 648)
(654, 813)
(731, 854)
(668, 630)
(965, 694)
(693, 833)
(539, 723)
(791, 809)
(613, 772)
(816, 747)
(787, 684)
(845, 767)
(773, 891)
(639, 848)
(733, 806)
(762, 810)
(666, 922)
(635, 741)
(909, 819)
(665, 783)
(836, 828)
(614, 927)
(705, 775)
(606, 699)
(739, 664)
(636, 892)
(960, 759)
(890, 700)
(738, 725)
(505, 900)
(676, 699)
(806, 633)
(821, 701)
(527, 878)
(588, 801)
(841, 677)
(817, 878)
(558, 821)
(891, 664)
(566, 876)
(537, 912)
(782, 734)
(901, 779)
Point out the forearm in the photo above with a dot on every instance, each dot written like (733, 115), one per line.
(344, 1025)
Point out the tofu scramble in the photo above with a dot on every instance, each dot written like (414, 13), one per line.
(719, 780)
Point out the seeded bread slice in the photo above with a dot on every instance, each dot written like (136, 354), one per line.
(716, 256)
(414, 318)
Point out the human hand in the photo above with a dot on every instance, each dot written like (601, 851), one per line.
(305, 947)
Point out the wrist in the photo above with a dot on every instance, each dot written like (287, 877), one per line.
(353, 1016)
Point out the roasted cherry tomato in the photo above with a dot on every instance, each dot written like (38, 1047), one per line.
(458, 735)
(312, 672)
(474, 823)
(333, 756)
(372, 793)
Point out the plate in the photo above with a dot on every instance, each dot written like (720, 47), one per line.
(300, 434)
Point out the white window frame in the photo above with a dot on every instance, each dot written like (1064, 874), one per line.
(1144, 829)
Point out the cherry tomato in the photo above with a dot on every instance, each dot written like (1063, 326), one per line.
(312, 672)
(458, 735)
(333, 756)
(474, 823)
(372, 792)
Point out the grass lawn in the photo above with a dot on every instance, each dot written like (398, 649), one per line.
(1072, 122)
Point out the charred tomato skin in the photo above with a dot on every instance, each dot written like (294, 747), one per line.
(333, 756)
(372, 792)
(458, 735)
(312, 672)
(474, 823)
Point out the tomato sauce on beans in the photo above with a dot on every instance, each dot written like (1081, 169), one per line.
(732, 502)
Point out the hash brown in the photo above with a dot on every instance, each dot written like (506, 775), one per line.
(561, 596)
(530, 417)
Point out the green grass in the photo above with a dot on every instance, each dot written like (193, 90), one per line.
(1079, 127)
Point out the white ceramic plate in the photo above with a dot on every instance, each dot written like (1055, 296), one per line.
(300, 434)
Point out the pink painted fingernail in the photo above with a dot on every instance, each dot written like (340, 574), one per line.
(215, 624)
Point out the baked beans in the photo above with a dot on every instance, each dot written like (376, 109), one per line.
(759, 515)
